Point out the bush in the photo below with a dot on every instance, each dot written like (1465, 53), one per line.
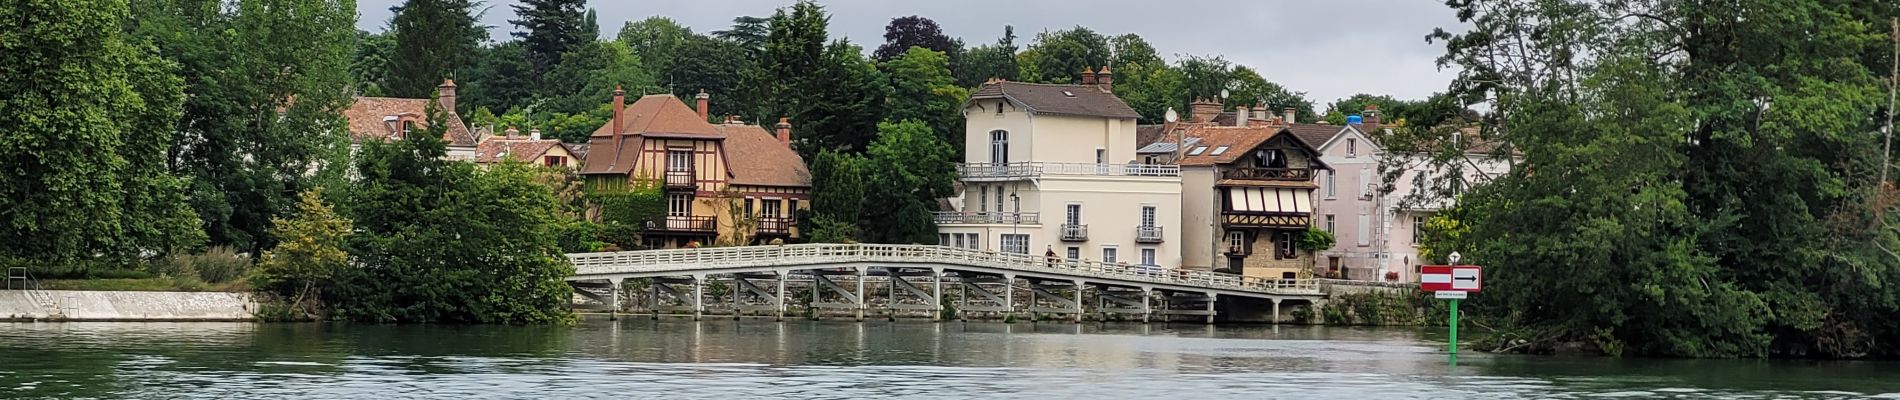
(215, 265)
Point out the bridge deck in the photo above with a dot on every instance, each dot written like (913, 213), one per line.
(786, 258)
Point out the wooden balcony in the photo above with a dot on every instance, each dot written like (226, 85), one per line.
(1269, 174)
(1075, 232)
(1238, 219)
(776, 226)
(686, 224)
(1147, 234)
(680, 180)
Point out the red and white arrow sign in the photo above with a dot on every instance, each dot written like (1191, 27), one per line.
(1449, 278)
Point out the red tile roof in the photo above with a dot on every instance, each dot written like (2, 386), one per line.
(492, 150)
(757, 158)
(366, 119)
(662, 115)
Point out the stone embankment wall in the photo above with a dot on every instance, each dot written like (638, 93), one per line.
(77, 305)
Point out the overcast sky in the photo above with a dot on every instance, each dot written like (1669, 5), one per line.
(1327, 48)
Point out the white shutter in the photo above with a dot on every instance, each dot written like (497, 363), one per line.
(1365, 181)
(1365, 223)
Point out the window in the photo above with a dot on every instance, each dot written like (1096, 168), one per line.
(1329, 223)
(679, 205)
(1283, 246)
(408, 126)
(943, 239)
(748, 206)
(1075, 252)
(1101, 156)
(1365, 182)
(791, 208)
(1148, 257)
(999, 108)
(1330, 186)
(1237, 242)
(999, 199)
(679, 160)
(554, 161)
(976, 241)
(1148, 216)
(1365, 225)
(1074, 214)
(958, 237)
(1197, 150)
(983, 199)
(1352, 147)
(1108, 255)
(999, 147)
(1418, 229)
(1218, 151)
(769, 208)
(1016, 243)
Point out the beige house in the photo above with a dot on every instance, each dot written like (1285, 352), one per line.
(1052, 168)
(531, 149)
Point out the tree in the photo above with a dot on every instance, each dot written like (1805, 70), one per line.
(1131, 50)
(502, 79)
(435, 39)
(715, 66)
(551, 28)
(904, 33)
(371, 65)
(748, 32)
(1251, 89)
(838, 196)
(923, 90)
(309, 251)
(911, 168)
(1061, 55)
(79, 90)
(1144, 80)
(997, 60)
(844, 106)
(794, 53)
(657, 40)
(441, 241)
(583, 82)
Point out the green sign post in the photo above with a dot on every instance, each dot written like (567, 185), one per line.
(1450, 282)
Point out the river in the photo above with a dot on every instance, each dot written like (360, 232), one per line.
(724, 359)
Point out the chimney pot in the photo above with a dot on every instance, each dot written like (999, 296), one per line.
(1088, 76)
(445, 95)
(1240, 116)
(511, 133)
(534, 134)
(784, 130)
(700, 100)
(1106, 79)
(1288, 114)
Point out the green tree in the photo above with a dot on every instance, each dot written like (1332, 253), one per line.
(904, 33)
(715, 66)
(549, 29)
(1061, 55)
(501, 79)
(794, 54)
(748, 32)
(657, 40)
(1251, 89)
(923, 90)
(997, 60)
(585, 80)
(310, 250)
(79, 89)
(838, 197)
(371, 64)
(436, 39)
(911, 168)
(842, 111)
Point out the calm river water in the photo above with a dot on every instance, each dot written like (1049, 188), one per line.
(640, 358)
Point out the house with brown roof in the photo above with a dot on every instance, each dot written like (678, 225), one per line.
(530, 149)
(391, 118)
(726, 183)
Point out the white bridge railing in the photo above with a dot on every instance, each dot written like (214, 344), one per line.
(816, 255)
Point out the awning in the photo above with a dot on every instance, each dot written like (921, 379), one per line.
(1270, 200)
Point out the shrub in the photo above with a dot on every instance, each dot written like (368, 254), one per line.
(214, 265)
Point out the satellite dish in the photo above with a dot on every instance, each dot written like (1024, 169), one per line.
(1171, 116)
(1223, 94)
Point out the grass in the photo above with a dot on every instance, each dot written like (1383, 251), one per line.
(159, 284)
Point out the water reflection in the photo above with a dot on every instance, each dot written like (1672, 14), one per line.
(829, 359)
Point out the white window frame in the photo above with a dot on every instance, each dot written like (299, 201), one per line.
(982, 198)
(679, 205)
(1016, 243)
(999, 146)
(1418, 229)
(1352, 147)
(1148, 215)
(1110, 255)
(1148, 256)
(1074, 252)
(1072, 213)
(1330, 224)
(1332, 186)
(771, 208)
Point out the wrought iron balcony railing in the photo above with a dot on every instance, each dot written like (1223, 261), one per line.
(958, 217)
(1026, 170)
(1075, 232)
(1147, 234)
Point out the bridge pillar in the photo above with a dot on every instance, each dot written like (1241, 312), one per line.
(963, 295)
(781, 295)
(1276, 311)
(1147, 304)
(737, 288)
(1211, 299)
(1009, 298)
(936, 292)
(653, 300)
(860, 299)
(613, 303)
(1078, 300)
(699, 297)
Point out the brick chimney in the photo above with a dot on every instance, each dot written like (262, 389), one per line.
(784, 130)
(700, 100)
(1288, 114)
(1371, 116)
(534, 134)
(1105, 79)
(445, 95)
(1088, 76)
(512, 133)
(1203, 110)
(1240, 116)
(620, 106)
(1259, 112)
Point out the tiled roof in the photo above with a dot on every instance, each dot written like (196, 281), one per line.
(757, 158)
(1083, 100)
(1315, 134)
(1237, 140)
(1149, 134)
(662, 115)
(492, 150)
(603, 158)
(366, 117)
(579, 149)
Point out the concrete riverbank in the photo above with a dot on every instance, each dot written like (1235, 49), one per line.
(80, 305)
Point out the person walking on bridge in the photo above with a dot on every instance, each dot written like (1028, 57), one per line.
(1050, 255)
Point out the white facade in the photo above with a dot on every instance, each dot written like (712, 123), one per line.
(1036, 183)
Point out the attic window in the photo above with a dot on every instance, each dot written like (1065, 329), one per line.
(1068, 93)
(1218, 150)
(1197, 151)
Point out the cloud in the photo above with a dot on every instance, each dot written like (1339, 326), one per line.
(1328, 49)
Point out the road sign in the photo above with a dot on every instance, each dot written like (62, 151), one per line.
(1449, 295)
(1443, 278)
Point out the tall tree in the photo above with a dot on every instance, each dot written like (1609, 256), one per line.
(434, 40)
(923, 91)
(1061, 55)
(911, 169)
(904, 33)
(550, 28)
(838, 196)
(989, 61)
(1249, 88)
(749, 32)
(845, 104)
(80, 97)
(370, 68)
(713, 65)
(656, 40)
(584, 79)
(502, 79)
(1143, 79)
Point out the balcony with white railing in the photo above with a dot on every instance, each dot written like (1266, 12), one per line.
(1028, 170)
(1075, 232)
(962, 217)
(1147, 234)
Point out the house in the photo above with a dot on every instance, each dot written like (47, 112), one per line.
(390, 118)
(1052, 168)
(1248, 189)
(530, 149)
(1376, 222)
(727, 183)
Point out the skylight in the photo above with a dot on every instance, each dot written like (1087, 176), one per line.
(1218, 150)
(1068, 93)
(1197, 151)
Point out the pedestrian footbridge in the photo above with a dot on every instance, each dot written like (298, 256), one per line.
(912, 277)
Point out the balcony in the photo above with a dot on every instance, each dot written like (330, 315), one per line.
(1269, 174)
(776, 226)
(1238, 249)
(679, 179)
(686, 224)
(1027, 170)
(1017, 218)
(1075, 232)
(1147, 234)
